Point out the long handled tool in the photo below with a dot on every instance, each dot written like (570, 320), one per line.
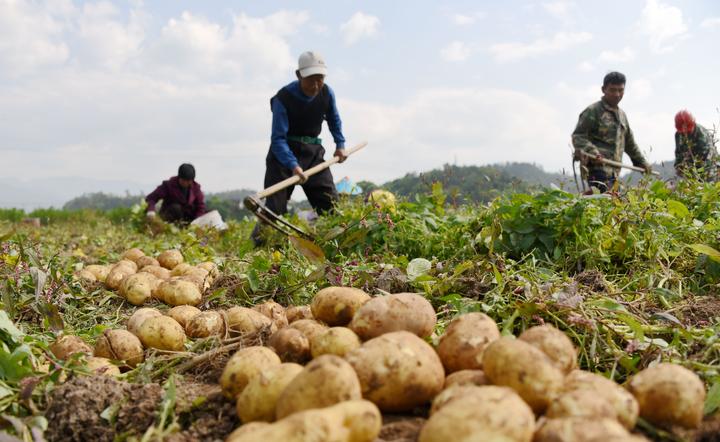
(253, 203)
(616, 163)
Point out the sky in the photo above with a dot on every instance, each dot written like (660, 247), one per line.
(103, 92)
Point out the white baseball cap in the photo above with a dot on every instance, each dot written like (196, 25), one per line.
(311, 63)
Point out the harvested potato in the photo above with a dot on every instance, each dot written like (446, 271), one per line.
(117, 273)
(325, 381)
(246, 429)
(145, 261)
(580, 429)
(516, 364)
(67, 345)
(139, 317)
(170, 258)
(309, 327)
(462, 345)
(211, 268)
(162, 333)
(120, 345)
(581, 403)
(337, 305)
(669, 394)
(179, 292)
(466, 377)
(86, 275)
(291, 345)
(274, 311)
(297, 312)
(471, 413)
(245, 321)
(180, 269)
(336, 341)
(101, 366)
(208, 323)
(159, 272)
(243, 365)
(625, 405)
(398, 371)
(401, 311)
(133, 254)
(138, 287)
(259, 398)
(127, 263)
(349, 421)
(201, 282)
(554, 343)
(183, 314)
(99, 271)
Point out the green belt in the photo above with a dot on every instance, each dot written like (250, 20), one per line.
(304, 139)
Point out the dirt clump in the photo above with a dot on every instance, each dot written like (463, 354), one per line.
(400, 429)
(701, 310)
(592, 280)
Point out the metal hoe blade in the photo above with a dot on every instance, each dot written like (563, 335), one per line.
(274, 220)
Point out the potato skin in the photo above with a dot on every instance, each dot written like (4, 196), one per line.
(401, 311)
(243, 365)
(337, 341)
(581, 403)
(297, 312)
(325, 381)
(466, 377)
(669, 394)
(205, 324)
(183, 314)
(101, 366)
(291, 345)
(67, 345)
(159, 272)
(336, 306)
(309, 327)
(479, 413)
(581, 429)
(625, 405)
(516, 364)
(86, 275)
(243, 321)
(138, 287)
(554, 343)
(170, 258)
(120, 345)
(259, 398)
(349, 421)
(145, 261)
(462, 345)
(179, 292)
(133, 254)
(398, 371)
(118, 272)
(162, 333)
(100, 271)
(274, 311)
(139, 317)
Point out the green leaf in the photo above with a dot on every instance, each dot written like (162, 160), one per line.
(418, 267)
(8, 327)
(712, 401)
(308, 249)
(253, 280)
(678, 209)
(706, 250)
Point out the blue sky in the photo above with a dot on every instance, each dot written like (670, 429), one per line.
(128, 90)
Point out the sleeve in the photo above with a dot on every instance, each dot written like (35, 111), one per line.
(633, 150)
(200, 208)
(679, 151)
(278, 139)
(703, 144)
(156, 195)
(581, 134)
(334, 122)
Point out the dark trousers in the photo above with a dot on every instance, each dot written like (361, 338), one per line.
(174, 213)
(601, 179)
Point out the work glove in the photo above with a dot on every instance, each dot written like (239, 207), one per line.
(150, 214)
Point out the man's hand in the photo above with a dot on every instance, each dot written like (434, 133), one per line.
(340, 153)
(301, 174)
(648, 169)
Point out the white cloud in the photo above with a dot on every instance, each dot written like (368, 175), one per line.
(106, 40)
(710, 22)
(560, 9)
(505, 52)
(359, 26)
(639, 89)
(663, 24)
(456, 51)
(586, 66)
(466, 19)
(622, 56)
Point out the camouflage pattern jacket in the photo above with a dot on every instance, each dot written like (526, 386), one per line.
(604, 130)
(695, 154)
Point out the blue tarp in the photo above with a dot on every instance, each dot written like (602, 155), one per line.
(348, 187)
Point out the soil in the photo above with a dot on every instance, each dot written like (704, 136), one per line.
(592, 280)
(700, 311)
(400, 429)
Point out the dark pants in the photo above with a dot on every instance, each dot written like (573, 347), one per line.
(319, 188)
(174, 213)
(601, 179)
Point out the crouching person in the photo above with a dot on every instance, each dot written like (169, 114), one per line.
(182, 199)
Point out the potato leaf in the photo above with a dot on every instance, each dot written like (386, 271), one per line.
(308, 249)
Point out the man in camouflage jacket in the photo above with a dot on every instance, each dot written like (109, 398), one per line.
(695, 152)
(603, 131)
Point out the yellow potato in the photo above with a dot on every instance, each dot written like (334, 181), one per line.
(291, 345)
(159, 272)
(337, 341)
(581, 429)
(67, 345)
(309, 327)
(462, 345)
(127, 263)
(170, 258)
(325, 381)
(145, 261)
(297, 312)
(179, 292)
(401, 311)
(259, 398)
(137, 288)
(581, 403)
(625, 405)
(139, 317)
(479, 414)
(133, 254)
(208, 323)
(669, 394)
(180, 269)
(246, 321)
(466, 377)
(554, 343)
(211, 268)
(101, 366)
(337, 305)
(243, 366)
(86, 275)
(516, 364)
(398, 371)
(349, 421)
(117, 273)
(183, 314)
(246, 429)
(162, 333)
(274, 311)
(100, 271)
(120, 345)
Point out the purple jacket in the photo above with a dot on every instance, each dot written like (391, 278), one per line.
(171, 192)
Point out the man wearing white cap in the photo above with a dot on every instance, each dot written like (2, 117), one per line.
(299, 110)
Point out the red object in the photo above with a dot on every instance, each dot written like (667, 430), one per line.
(171, 192)
(684, 122)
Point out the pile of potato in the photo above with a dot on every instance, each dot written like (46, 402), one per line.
(138, 277)
(350, 355)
